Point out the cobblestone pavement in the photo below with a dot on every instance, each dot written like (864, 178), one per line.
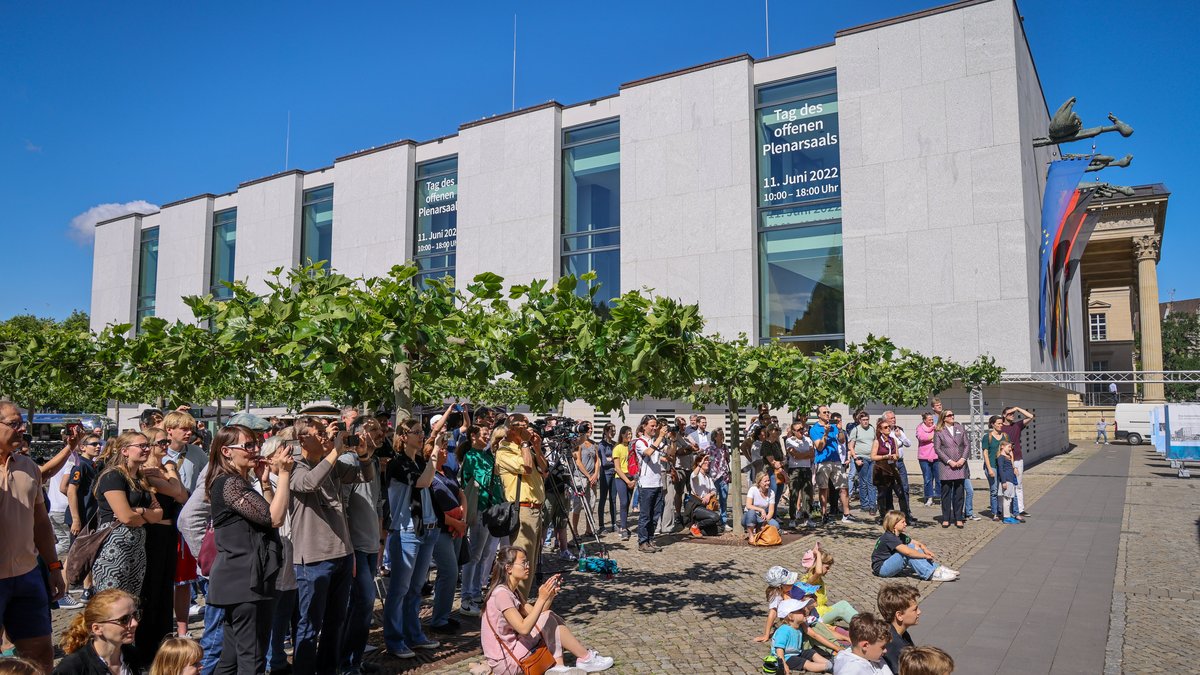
(1155, 627)
(697, 607)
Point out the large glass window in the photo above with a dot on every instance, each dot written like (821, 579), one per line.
(224, 246)
(435, 237)
(316, 234)
(801, 287)
(147, 276)
(591, 228)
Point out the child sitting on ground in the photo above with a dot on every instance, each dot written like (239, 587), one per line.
(817, 563)
(925, 661)
(868, 638)
(895, 551)
(781, 585)
(789, 638)
(898, 606)
(1008, 475)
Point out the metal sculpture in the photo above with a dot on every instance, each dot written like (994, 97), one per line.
(1066, 127)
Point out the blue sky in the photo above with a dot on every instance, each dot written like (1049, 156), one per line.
(119, 102)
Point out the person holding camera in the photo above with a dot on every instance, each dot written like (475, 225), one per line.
(831, 468)
(322, 550)
(522, 468)
(684, 451)
(649, 449)
(361, 500)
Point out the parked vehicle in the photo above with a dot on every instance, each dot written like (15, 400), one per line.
(49, 429)
(1133, 422)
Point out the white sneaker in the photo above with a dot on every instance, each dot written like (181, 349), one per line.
(594, 663)
(943, 574)
(929, 501)
(195, 611)
(469, 608)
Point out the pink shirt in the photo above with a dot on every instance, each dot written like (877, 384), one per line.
(925, 443)
(494, 642)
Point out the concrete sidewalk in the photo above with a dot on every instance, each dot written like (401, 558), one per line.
(1036, 599)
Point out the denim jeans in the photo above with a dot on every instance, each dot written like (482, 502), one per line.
(445, 553)
(324, 595)
(482, 547)
(410, 554)
(929, 474)
(624, 495)
(723, 498)
(868, 496)
(213, 638)
(282, 626)
(993, 493)
(896, 564)
(755, 519)
(968, 498)
(633, 501)
(651, 512)
(358, 614)
(607, 498)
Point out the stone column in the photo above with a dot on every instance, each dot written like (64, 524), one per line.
(1147, 249)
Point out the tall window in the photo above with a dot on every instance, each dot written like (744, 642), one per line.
(147, 276)
(800, 285)
(591, 229)
(316, 235)
(1098, 325)
(435, 237)
(224, 246)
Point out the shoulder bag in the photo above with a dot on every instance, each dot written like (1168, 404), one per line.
(502, 520)
(84, 551)
(767, 535)
(539, 660)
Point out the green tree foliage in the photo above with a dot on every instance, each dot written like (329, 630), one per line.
(1181, 351)
(50, 365)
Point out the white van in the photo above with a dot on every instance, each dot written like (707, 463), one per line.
(1133, 422)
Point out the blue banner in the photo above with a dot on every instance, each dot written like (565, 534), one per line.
(1061, 180)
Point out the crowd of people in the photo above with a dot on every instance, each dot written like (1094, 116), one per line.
(284, 528)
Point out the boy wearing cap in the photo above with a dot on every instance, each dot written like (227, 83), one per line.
(789, 637)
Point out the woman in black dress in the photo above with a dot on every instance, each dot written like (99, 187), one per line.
(249, 553)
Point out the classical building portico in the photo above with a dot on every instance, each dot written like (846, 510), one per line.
(1120, 284)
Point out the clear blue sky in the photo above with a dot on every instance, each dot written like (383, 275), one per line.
(157, 101)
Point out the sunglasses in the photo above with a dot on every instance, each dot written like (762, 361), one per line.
(19, 424)
(949, 415)
(93, 444)
(163, 443)
(139, 446)
(245, 447)
(135, 615)
(884, 428)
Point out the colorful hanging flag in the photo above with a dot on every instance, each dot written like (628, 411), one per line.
(1062, 178)
(1073, 225)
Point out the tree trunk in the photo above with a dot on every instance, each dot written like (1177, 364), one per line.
(735, 466)
(218, 424)
(402, 390)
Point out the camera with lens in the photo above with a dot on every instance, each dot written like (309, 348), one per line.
(351, 440)
(669, 424)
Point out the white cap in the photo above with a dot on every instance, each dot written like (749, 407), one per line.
(435, 419)
(790, 605)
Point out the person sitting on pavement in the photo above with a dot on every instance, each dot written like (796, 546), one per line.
(99, 639)
(817, 563)
(897, 604)
(895, 550)
(760, 505)
(514, 628)
(703, 507)
(868, 637)
(925, 660)
(789, 638)
(780, 581)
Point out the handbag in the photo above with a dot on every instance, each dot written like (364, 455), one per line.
(84, 551)
(502, 520)
(540, 658)
(208, 551)
(767, 535)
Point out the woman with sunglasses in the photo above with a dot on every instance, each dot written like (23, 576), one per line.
(249, 552)
(950, 444)
(126, 502)
(885, 475)
(99, 640)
